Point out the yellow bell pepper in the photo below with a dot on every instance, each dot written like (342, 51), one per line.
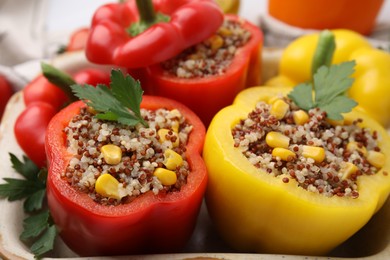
(229, 6)
(372, 77)
(257, 212)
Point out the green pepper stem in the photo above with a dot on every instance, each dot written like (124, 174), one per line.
(59, 79)
(146, 11)
(324, 52)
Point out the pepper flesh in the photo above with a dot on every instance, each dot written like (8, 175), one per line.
(254, 211)
(150, 223)
(372, 79)
(207, 95)
(191, 21)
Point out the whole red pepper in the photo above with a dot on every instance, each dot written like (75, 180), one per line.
(207, 95)
(41, 90)
(43, 99)
(30, 128)
(189, 22)
(78, 40)
(6, 92)
(150, 223)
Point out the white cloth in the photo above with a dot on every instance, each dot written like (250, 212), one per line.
(22, 33)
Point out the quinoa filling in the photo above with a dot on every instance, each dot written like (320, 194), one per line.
(212, 56)
(142, 153)
(323, 156)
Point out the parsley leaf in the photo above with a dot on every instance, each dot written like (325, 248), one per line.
(27, 168)
(340, 104)
(330, 85)
(119, 103)
(302, 96)
(45, 243)
(333, 81)
(32, 188)
(34, 225)
(38, 228)
(328, 88)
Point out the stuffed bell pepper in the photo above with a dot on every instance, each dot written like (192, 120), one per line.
(207, 76)
(125, 175)
(295, 170)
(184, 50)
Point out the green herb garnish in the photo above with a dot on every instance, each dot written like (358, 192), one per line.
(330, 83)
(38, 228)
(41, 229)
(32, 187)
(121, 102)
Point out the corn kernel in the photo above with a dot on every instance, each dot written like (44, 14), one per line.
(333, 122)
(348, 169)
(376, 159)
(283, 153)
(300, 117)
(168, 135)
(216, 42)
(166, 177)
(276, 139)
(91, 110)
(172, 159)
(194, 56)
(314, 152)
(354, 146)
(279, 109)
(112, 154)
(107, 186)
(175, 123)
(224, 31)
(272, 100)
(175, 126)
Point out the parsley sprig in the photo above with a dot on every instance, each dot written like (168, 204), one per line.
(38, 227)
(330, 83)
(121, 102)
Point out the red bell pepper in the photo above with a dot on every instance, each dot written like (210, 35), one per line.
(150, 223)
(207, 95)
(6, 92)
(78, 40)
(41, 90)
(190, 22)
(30, 128)
(43, 100)
(92, 76)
